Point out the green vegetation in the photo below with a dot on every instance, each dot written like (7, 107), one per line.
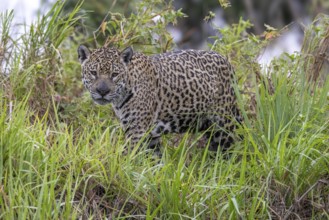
(61, 156)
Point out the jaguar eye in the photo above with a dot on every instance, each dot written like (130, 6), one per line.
(93, 72)
(114, 75)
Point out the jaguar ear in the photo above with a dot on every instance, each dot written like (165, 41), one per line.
(83, 53)
(127, 54)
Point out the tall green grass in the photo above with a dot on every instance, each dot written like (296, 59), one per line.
(61, 157)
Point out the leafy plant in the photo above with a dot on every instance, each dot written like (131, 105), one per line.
(145, 28)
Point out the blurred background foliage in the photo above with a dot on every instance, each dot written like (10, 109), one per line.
(194, 29)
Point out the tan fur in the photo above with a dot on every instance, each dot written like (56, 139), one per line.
(164, 93)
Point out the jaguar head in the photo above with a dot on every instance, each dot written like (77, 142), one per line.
(104, 73)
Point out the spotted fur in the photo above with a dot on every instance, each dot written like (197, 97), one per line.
(165, 93)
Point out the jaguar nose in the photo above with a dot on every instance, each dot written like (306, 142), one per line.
(102, 89)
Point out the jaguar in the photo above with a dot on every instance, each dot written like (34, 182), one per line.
(174, 92)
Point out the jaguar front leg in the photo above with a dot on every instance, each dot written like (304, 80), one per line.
(139, 132)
